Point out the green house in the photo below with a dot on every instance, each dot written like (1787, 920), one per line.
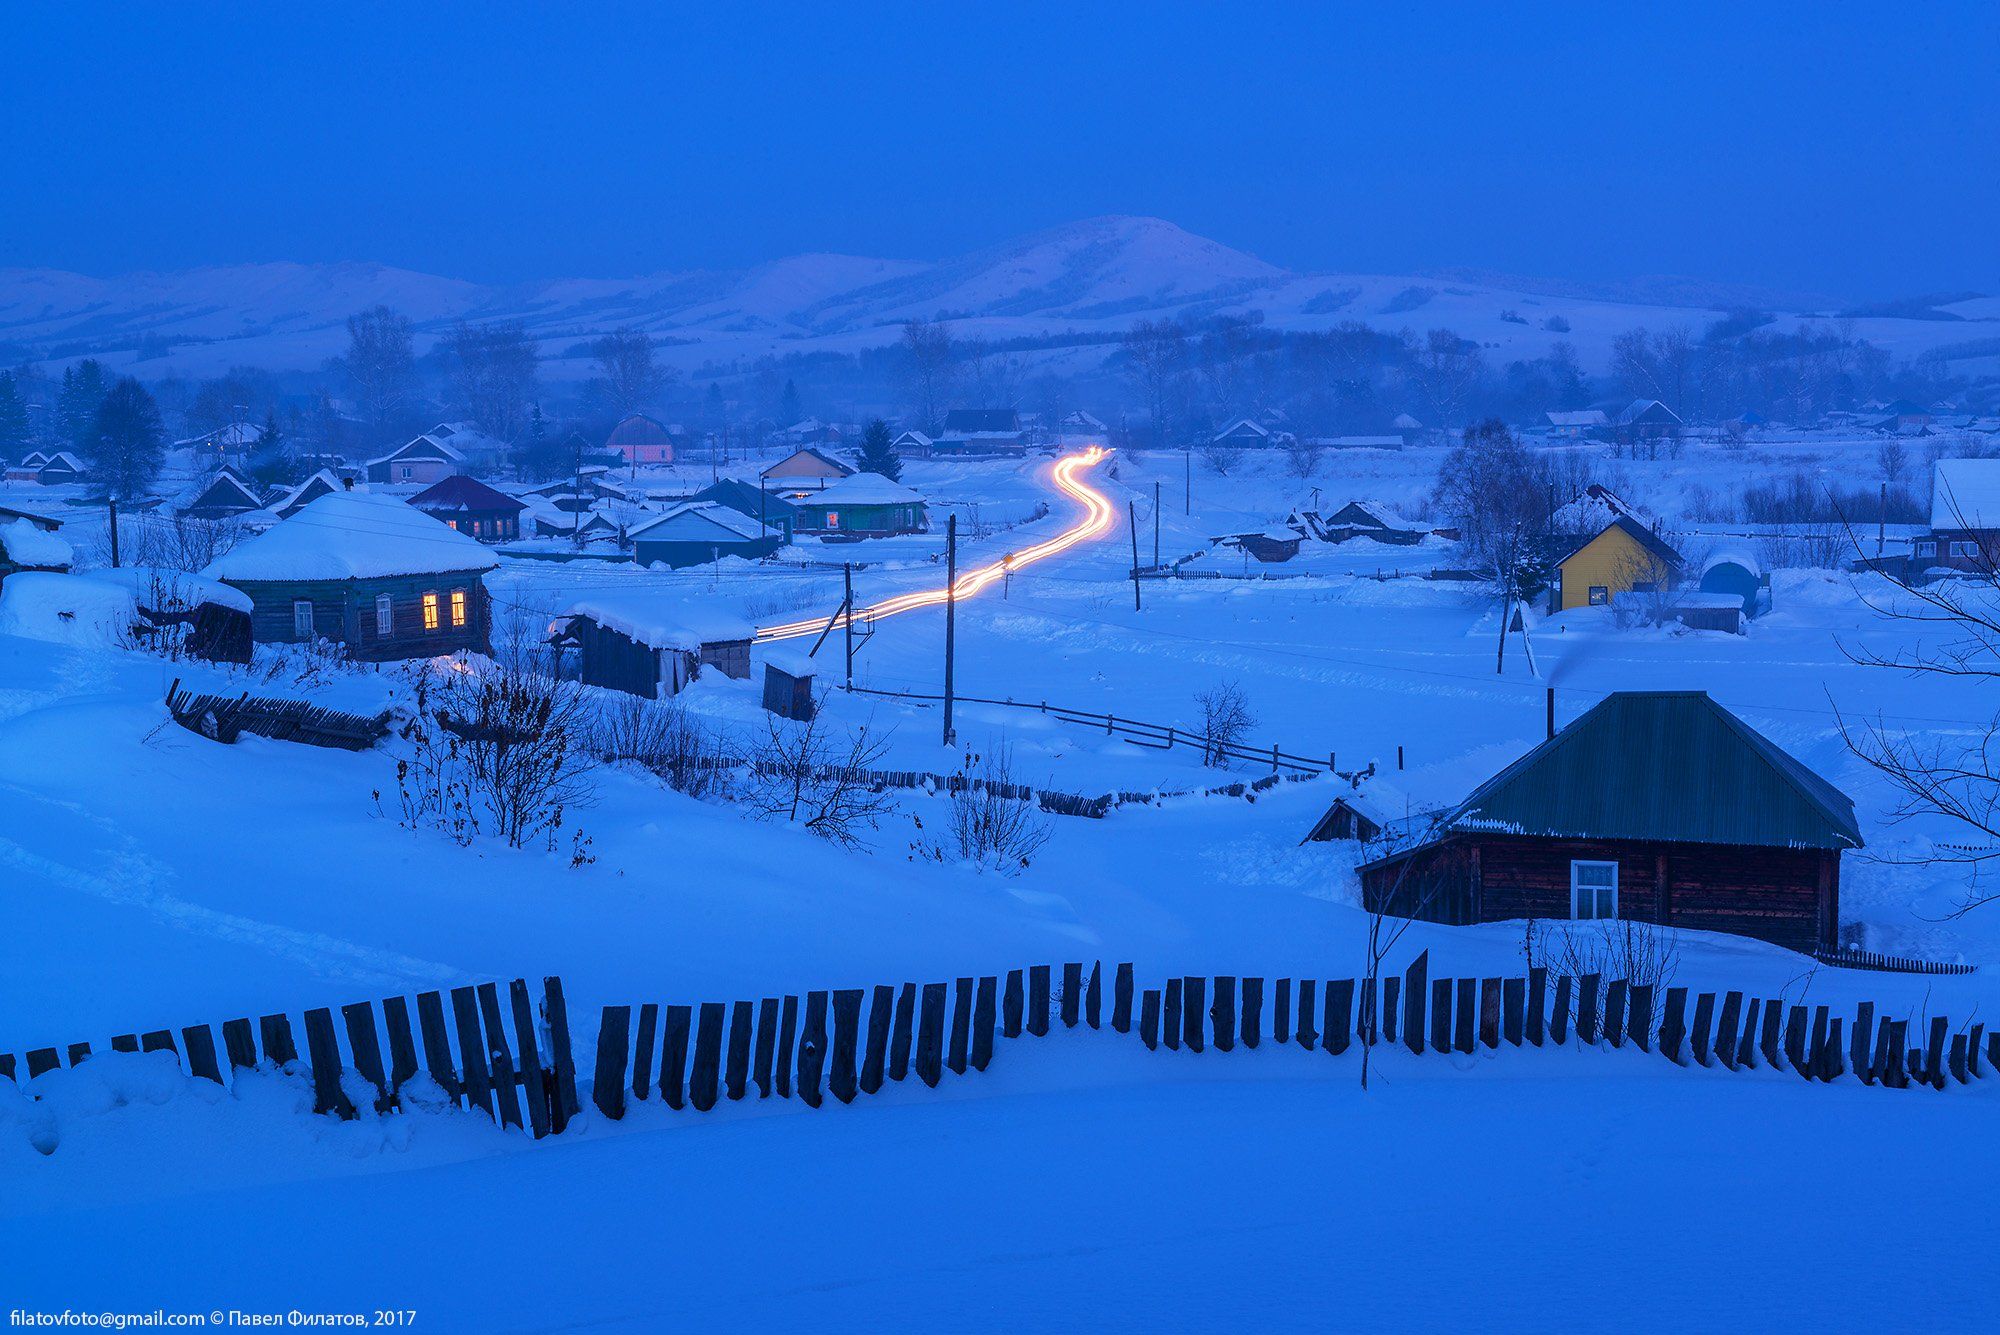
(866, 505)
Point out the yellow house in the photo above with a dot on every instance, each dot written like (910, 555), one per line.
(1624, 557)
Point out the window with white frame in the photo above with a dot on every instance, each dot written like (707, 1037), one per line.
(302, 618)
(385, 615)
(1593, 889)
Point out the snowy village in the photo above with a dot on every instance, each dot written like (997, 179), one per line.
(1044, 788)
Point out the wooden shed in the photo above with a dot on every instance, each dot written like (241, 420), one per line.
(1659, 806)
(788, 684)
(1622, 557)
(697, 532)
(653, 644)
(366, 571)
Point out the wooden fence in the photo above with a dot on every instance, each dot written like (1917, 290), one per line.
(1879, 963)
(223, 718)
(534, 1076)
(1047, 799)
(1154, 735)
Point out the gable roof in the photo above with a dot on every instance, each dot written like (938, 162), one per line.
(352, 535)
(1639, 533)
(298, 497)
(1646, 411)
(1583, 418)
(743, 498)
(1672, 766)
(981, 421)
(810, 454)
(863, 489)
(461, 492)
(220, 486)
(1237, 428)
(1965, 493)
(703, 521)
(423, 447)
(64, 459)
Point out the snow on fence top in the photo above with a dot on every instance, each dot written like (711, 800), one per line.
(352, 535)
(665, 620)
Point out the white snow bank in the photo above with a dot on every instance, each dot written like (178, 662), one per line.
(661, 620)
(162, 589)
(353, 535)
(66, 609)
(25, 544)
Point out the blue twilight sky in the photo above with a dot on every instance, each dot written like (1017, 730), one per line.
(1846, 149)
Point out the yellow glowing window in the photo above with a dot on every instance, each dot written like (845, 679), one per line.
(458, 607)
(430, 611)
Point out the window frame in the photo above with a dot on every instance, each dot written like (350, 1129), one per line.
(1577, 865)
(1599, 595)
(461, 608)
(306, 625)
(385, 616)
(833, 519)
(433, 619)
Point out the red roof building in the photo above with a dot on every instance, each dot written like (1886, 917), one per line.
(641, 440)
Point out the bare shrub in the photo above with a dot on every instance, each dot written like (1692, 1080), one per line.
(689, 756)
(1225, 721)
(988, 822)
(800, 771)
(1642, 953)
(179, 542)
(1219, 457)
(1302, 458)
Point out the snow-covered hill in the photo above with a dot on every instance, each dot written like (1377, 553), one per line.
(1092, 277)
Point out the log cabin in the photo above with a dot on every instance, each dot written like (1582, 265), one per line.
(652, 644)
(368, 572)
(1659, 806)
(463, 502)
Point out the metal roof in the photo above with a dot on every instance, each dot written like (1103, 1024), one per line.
(1662, 765)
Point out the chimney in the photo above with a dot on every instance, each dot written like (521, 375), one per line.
(347, 482)
(1552, 711)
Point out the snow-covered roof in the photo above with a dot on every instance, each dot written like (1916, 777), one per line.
(1733, 556)
(171, 590)
(352, 535)
(795, 662)
(65, 458)
(1236, 426)
(1586, 418)
(919, 437)
(1405, 422)
(1596, 508)
(1647, 409)
(1965, 493)
(66, 609)
(23, 544)
(663, 620)
(697, 521)
(324, 478)
(864, 489)
(425, 446)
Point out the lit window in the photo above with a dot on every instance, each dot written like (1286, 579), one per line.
(458, 607)
(1593, 889)
(833, 519)
(430, 611)
(385, 616)
(302, 618)
(1599, 595)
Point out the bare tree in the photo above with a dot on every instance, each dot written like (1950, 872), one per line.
(381, 368)
(1414, 884)
(928, 371)
(1225, 721)
(1156, 356)
(1893, 459)
(493, 375)
(628, 376)
(1447, 370)
(1302, 457)
(801, 772)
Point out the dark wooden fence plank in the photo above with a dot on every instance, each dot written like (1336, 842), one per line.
(1170, 1024)
(1121, 999)
(1093, 996)
(905, 1031)
(1704, 1026)
(1489, 1012)
(812, 1049)
(676, 1025)
(1149, 1019)
(957, 1054)
(1365, 1027)
(1538, 1004)
(1955, 1063)
(1253, 1012)
(767, 1045)
(1281, 1012)
(1302, 1024)
(276, 1031)
(158, 1040)
(1614, 1011)
(402, 1042)
(79, 1053)
(1725, 1033)
(130, 1042)
(788, 1026)
(1973, 1039)
(198, 1042)
(842, 1078)
(1072, 994)
(1746, 1046)
(1038, 1000)
(1514, 1010)
(1392, 1006)
(472, 1051)
(537, 1085)
(1862, 1054)
(1339, 1022)
(41, 1060)
(985, 1014)
(1673, 1024)
(364, 1042)
(875, 1055)
(930, 1032)
(1640, 1023)
(1934, 1052)
(644, 1044)
(1559, 1011)
(240, 1043)
(1773, 1017)
(1795, 1037)
(1013, 1006)
(742, 1027)
(1416, 993)
(562, 1058)
(1463, 1022)
(1441, 1015)
(504, 1067)
(705, 1071)
(608, 1087)
(437, 1045)
(1586, 1007)
(324, 1051)
(1831, 1064)
(1222, 1013)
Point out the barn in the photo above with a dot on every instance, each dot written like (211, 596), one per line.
(366, 571)
(638, 439)
(651, 643)
(1656, 806)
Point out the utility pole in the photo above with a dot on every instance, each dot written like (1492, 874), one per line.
(1882, 520)
(950, 615)
(1132, 513)
(1156, 523)
(1187, 481)
(847, 585)
(111, 502)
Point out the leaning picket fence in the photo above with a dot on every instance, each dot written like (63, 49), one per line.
(512, 1061)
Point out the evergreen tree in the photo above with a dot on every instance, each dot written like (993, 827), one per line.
(712, 408)
(13, 420)
(77, 405)
(790, 410)
(542, 457)
(271, 461)
(127, 442)
(878, 452)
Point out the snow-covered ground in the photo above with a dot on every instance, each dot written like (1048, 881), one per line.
(154, 878)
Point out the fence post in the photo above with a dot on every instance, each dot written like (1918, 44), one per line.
(1725, 1034)
(1072, 997)
(1281, 1012)
(785, 1061)
(1337, 1026)
(767, 1045)
(1121, 999)
(1253, 1012)
(930, 1034)
(846, 1036)
(905, 1027)
(1011, 1006)
(1149, 1019)
(1559, 1018)
(1038, 1000)
(1093, 996)
(875, 1060)
(961, 1026)
(1513, 1009)
(982, 1022)
(1302, 1026)
(1222, 1013)
(812, 1049)
(1440, 1015)
(1415, 983)
(1489, 1012)
(1586, 1008)
(1640, 1026)
(1860, 1055)
(1170, 1026)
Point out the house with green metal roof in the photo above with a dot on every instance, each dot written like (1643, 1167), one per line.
(1659, 806)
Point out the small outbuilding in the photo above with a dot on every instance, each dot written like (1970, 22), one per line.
(866, 505)
(60, 469)
(186, 614)
(463, 502)
(697, 532)
(227, 493)
(653, 643)
(788, 684)
(1739, 574)
(368, 571)
(1657, 806)
(1622, 557)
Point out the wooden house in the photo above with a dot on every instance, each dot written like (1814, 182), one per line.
(1964, 532)
(60, 469)
(697, 532)
(1577, 424)
(1623, 557)
(463, 502)
(423, 461)
(1658, 806)
(227, 494)
(368, 571)
(803, 472)
(981, 431)
(1648, 419)
(758, 502)
(284, 502)
(29, 468)
(1358, 519)
(1244, 434)
(866, 505)
(912, 444)
(638, 439)
(653, 643)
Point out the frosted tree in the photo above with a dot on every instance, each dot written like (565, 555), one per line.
(129, 442)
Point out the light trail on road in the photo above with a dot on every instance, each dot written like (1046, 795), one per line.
(1098, 520)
